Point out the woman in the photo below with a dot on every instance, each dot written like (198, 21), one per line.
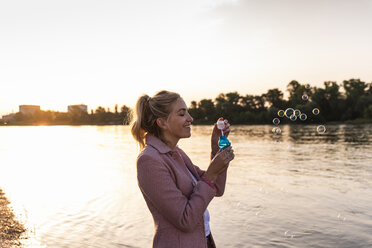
(176, 191)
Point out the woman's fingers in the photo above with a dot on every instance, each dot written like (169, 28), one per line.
(221, 160)
(228, 154)
(226, 130)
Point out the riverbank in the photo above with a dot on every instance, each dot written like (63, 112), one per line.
(10, 229)
(356, 121)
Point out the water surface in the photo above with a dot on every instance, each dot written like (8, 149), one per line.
(75, 186)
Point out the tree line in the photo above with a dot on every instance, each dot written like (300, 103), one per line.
(76, 116)
(349, 101)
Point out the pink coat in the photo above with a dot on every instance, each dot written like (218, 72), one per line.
(176, 203)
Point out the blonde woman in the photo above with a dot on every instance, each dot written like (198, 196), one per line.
(176, 191)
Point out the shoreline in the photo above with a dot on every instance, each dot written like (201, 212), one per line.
(10, 228)
(349, 122)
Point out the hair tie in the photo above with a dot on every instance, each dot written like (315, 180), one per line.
(146, 103)
(147, 99)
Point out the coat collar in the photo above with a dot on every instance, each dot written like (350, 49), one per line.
(157, 143)
(160, 146)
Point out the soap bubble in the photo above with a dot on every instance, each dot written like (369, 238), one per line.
(293, 117)
(281, 113)
(316, 111)
(303, 116)
(305, 97)
(276, 121)
(321, 129)
(297, 112)
(276, 130)
(289, 112)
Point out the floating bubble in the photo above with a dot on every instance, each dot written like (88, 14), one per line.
(289, 234)
(289, 112)
(276, 130)
(281, 113)
(303, 117)
(321, 129)
(297, 112)
(316, 111)
(276, 121)
(305, 97)
(293, 117)
(339, 216)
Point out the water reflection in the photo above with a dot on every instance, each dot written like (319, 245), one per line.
(76, 186)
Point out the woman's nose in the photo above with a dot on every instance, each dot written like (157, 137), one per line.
(190, 119)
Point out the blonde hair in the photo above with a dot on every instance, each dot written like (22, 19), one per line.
(147, 111)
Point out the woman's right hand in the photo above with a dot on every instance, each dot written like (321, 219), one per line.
(219, 163)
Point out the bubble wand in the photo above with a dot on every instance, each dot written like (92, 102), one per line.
(223, 142)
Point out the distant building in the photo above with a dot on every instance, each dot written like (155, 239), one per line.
(7, 118)
(29, 109)
(78, 107)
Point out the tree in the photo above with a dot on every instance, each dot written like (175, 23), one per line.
(274, 97)
(228, 104)
(368, 112)
(296, 90)
(207, 110)
(100, 110)
(195, 112)
(328, 100)
(354, 89)
(248, 103)
(100, 115)
(126, 114)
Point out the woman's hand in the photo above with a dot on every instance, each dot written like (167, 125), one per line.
(216, 133)
(219, 163)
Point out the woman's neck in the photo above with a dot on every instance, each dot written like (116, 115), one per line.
(171, 142)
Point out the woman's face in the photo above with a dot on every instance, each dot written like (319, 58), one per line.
(179, 121)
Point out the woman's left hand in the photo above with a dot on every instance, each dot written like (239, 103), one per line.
(216, 133)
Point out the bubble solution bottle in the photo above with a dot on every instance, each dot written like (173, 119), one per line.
(223, 142)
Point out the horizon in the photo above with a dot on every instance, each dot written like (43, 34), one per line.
(188, 101)
(56, 54)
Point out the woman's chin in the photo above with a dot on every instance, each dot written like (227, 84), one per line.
(187, 134)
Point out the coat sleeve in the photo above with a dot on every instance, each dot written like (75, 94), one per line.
(220, 182)
(157, 184)
(221, 179)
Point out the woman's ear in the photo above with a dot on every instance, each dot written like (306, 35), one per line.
(162, 123)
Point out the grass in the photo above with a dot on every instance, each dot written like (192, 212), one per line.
(10, 229)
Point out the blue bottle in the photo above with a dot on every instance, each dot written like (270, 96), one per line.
(223, 142)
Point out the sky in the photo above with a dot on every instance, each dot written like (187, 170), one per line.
(101, 53)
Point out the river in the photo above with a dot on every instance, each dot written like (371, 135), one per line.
(75, 186)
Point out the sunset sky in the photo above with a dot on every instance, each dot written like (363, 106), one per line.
(56, 53)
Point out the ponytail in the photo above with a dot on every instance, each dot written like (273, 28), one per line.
(147, 111)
